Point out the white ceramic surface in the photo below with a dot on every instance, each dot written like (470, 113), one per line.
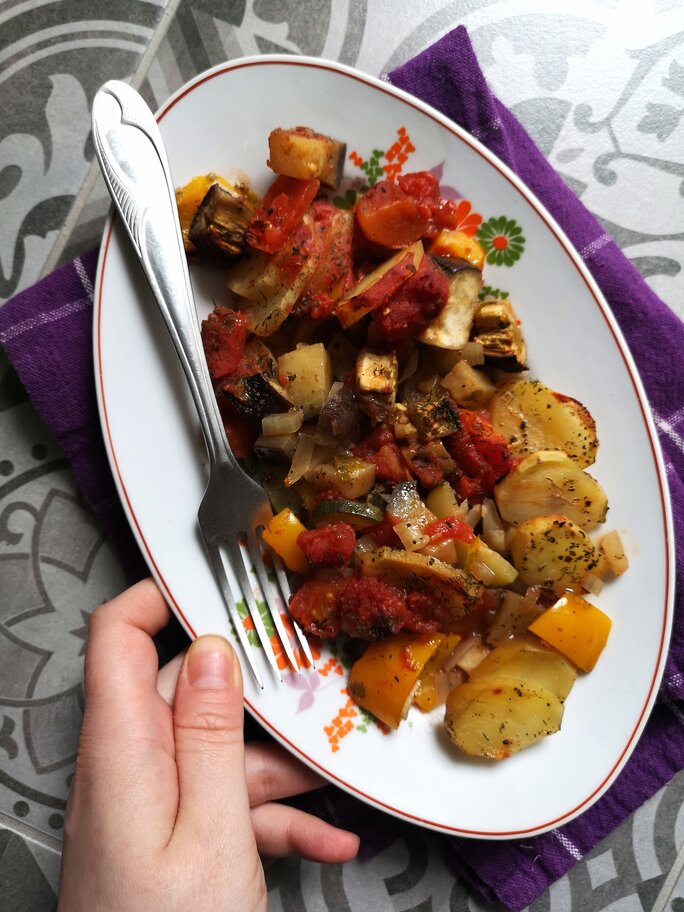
(220, 122)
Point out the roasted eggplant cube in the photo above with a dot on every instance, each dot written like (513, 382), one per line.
(435, 415)
(302, 153)
(253, 396)
(220, 223)
(376, 383)
(452, 326)
(496, 328)
(255, 392)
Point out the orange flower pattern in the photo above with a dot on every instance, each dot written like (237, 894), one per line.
(342, 724)
(467, 221)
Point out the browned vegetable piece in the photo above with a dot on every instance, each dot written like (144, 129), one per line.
(188, 199)
(434, 415)
(220, 222)
(302, 153)
(450, 587)
(451, 327)
(258, 392)
(376, 383)
(496, 328)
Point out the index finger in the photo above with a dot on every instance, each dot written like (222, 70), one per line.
(121, 659)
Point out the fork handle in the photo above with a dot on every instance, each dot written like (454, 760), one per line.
(133, 160)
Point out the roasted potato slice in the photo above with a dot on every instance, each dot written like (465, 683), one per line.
(533, 417)
(552, 548)
(527, 660)
(550, 482)
(306, 373)
(496, 716)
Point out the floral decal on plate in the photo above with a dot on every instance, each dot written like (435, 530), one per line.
(345, 722)
(465, 219)
(487, 293)
(502, 239)
(394, 159)
(379, 165)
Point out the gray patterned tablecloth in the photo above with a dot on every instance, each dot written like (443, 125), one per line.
(600, 85)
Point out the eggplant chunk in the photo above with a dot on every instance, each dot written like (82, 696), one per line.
(550, 482)
(496, 328)
(451, 327)
(258, 393)
(376, 383)
(552, 548)
(533, 417)
(220, 222)
(302, 153)
(434, 415)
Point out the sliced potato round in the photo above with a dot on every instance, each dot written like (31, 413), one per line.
(495, 717)
(527, 660)
(533, 417)
(552, 548)
(550, 482)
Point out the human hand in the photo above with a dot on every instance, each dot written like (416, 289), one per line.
(168, 809)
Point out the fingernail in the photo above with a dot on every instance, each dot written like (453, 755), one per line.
(210, 663)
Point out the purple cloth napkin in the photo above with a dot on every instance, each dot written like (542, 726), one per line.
(46, 331)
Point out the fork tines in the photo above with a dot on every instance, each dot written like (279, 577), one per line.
(251, 592)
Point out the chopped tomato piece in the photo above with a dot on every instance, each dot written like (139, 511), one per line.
(445, 529)
(389, 465)
(423, 187)
(377, 288)
(370, 609)
(224, 334)
(314, 607)
(380, 448)
(389, 216)
(283, 206)
(414, 304)
(331, 546)
(335, 273)
(425, 614)
(480, 453)
(488, 443)
(429, 462)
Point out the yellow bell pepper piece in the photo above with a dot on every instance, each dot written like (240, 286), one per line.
(384, 678)
(575, 628)
(281, 534)
(425, 696)
(458, 246)
(189, 197)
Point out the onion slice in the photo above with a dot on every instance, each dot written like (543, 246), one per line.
(301, 460)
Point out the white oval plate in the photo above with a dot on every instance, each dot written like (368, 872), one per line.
(220, 122)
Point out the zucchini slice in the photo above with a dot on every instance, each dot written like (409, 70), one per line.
(358, 515)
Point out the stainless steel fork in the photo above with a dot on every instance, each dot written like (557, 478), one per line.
(133, 161)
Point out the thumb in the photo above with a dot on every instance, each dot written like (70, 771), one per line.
(213, 807)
